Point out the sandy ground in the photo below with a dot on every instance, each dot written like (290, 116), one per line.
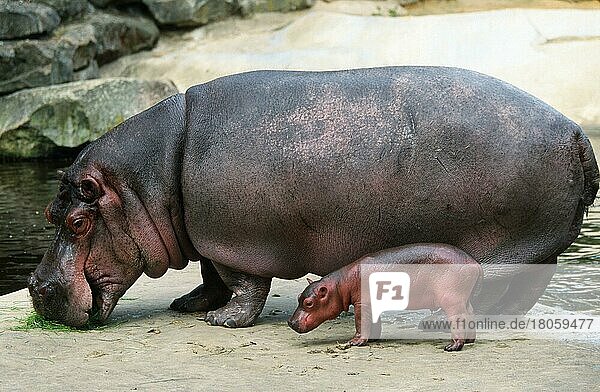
(148, 347)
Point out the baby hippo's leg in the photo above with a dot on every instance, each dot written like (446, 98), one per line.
(458, 316)
(368, 330)
(471, 331)
(361, 336)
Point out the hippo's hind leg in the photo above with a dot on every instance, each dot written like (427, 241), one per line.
(459, 317)
(526, 288)
(210, 295)
(251, 293)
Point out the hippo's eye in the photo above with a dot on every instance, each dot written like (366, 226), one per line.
(308, 303)
(78, 226)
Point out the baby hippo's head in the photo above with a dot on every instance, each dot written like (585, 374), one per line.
(317, 303)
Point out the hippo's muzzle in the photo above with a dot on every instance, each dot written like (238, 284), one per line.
(299, 322)
(294, 325)
(53, 301)
(59, 290)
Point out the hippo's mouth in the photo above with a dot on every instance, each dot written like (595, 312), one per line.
(105, 296)
(300, 325)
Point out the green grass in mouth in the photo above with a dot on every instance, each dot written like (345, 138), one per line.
(35, 321)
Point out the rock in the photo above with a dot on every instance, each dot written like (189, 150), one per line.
(184, 13)
(36, 122)
(105, 3)
(34, 63)
(119, 35)
(76, 42)
(66, 8)
(248, 7)
(74, 51)
(20, 19)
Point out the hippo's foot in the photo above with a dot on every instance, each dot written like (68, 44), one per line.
(250, 296)
(210, 295)
(237, 313)
(202, 299)
(358, 340)
(455, 345)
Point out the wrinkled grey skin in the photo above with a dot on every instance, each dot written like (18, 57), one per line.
(277, 174)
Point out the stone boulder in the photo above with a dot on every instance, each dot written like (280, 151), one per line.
(66, 8)
(37, 122)
(74, 50)
(248, 7)
(20, 19)
(106, 3)
(184, 13)
(119, 35)
(68, 56)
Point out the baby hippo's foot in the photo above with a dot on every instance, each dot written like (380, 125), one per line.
(455, 345)
(358, 340)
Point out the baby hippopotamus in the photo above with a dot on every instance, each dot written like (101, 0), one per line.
(441, 276)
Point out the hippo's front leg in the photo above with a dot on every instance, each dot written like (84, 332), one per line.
(251, 293)
(361, 336)
(210, 295)
(366, 332)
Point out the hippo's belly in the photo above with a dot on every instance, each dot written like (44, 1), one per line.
(297, 217)
(282, 186)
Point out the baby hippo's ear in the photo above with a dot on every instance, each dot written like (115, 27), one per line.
(309, 280)
(322, 292)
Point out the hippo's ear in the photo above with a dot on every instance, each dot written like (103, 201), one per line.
(322, 292)
(89, 189)
(309, 280)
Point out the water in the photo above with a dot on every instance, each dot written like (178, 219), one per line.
(26, 189)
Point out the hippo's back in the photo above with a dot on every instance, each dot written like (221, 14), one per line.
(292, 172)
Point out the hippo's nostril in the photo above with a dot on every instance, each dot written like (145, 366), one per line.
(43, 291)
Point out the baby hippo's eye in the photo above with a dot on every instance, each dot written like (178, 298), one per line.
(308, 303)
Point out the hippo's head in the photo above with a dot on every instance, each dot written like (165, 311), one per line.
(318, 302)
(97, 252)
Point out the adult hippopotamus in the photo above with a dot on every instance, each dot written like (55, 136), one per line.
(276, 174)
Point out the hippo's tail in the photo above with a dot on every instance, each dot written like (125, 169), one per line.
(591, 177)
